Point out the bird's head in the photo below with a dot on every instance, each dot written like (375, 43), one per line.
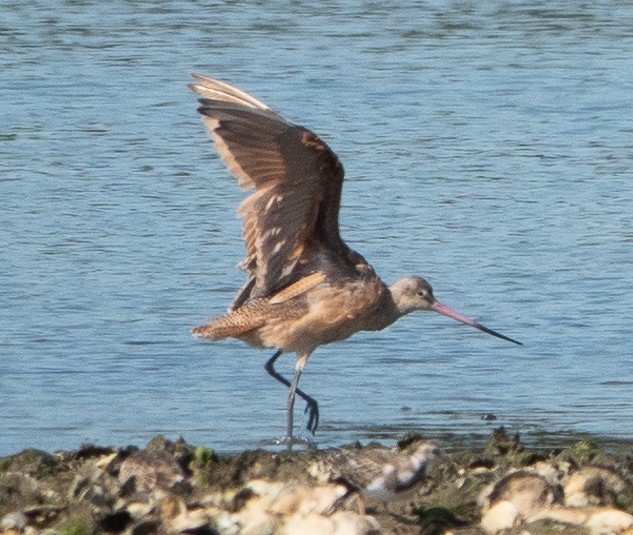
(415, 293)
(411, 294)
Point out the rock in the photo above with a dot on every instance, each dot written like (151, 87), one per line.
(528, 491)
(42, 515)
(593, 485)
(348, 523)
(138, 509)
(502, 515)
(501, 443)
(321, 499)
(146, 527)
(255, 517)
(116, 521)
(151, 470)
(262, 487)
(310, 524)
(170, 507)
(189, 521)
(33, 462)
(106, 461)
(18, 489)
(275, 503)
(566, 515)
(13, 521)
(226, 523)
(287, 498)
(599, 520)
(609, 521)
(256, 521)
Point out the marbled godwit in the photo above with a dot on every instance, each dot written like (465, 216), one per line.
(305, 286)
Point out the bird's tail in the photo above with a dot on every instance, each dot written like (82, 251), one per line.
(234, 324)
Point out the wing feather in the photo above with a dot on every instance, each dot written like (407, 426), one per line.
(290, 221)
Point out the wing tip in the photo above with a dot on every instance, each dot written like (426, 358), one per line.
(214, 89)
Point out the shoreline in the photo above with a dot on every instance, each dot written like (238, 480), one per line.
(583, 486)
(448, 440)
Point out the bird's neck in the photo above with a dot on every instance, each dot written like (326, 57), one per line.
(400, 303)
(389, 313)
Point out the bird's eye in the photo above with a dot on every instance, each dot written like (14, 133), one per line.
(426, 294)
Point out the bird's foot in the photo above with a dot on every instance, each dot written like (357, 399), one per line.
(312, 410)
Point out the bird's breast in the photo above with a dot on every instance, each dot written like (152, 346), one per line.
(328, 312)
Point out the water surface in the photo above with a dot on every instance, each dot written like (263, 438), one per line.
(488, 148)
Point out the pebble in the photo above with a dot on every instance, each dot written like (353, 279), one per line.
(15, 521)
(189, 521)
(502, 515)
(528, 491)
(151, 470)
(609, 521)
(346, 522)
(593, 485)
(599, 520)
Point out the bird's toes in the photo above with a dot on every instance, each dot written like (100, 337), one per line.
(313, 416)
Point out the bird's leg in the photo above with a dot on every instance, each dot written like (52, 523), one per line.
(312, 407)
(292, 391)
(291, 405)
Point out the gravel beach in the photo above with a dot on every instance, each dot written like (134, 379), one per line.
(176, 487)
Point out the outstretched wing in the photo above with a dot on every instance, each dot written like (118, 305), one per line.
(292, 216)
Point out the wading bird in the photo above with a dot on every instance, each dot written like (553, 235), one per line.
(305, 286)
(379, 473)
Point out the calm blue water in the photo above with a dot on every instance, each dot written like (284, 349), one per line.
(489, 149)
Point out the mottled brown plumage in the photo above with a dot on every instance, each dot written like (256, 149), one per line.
(305, 286)
(379, 473)
(291, 220)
